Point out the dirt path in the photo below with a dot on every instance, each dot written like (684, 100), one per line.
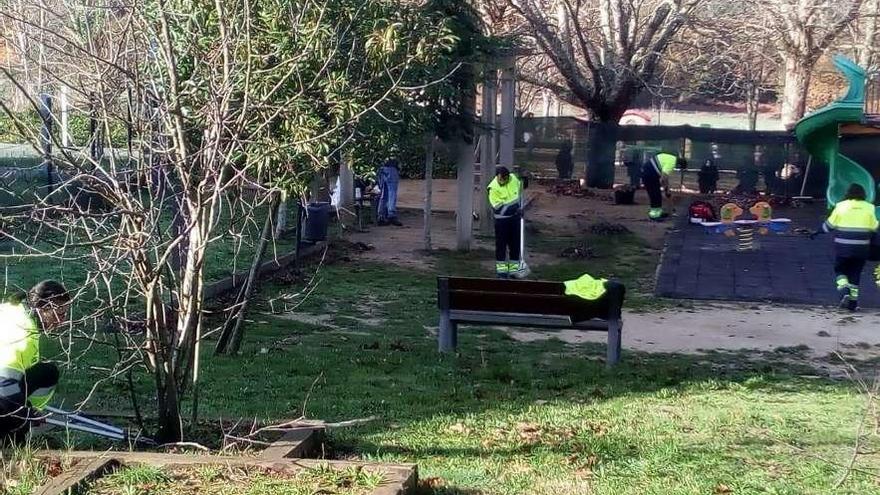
(738, 327)
(404, 246)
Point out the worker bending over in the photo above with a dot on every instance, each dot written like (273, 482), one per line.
(26, 383)
(505, 196)
(853, 222)
(655, 177)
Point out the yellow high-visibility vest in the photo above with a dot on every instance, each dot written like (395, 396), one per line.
(505, 199)
(19, 350)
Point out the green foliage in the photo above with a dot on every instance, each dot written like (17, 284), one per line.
(78, 128)
(305, 81)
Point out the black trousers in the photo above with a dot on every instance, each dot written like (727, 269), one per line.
(507, 238)
(14, 410)
(653, 186)
(850, 267)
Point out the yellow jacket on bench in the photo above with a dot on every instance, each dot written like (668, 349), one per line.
(585, 287)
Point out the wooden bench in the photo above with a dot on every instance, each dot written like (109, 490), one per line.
(525, 303)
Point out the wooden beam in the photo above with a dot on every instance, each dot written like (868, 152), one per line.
(860, 129)
(300, 442)
(72, 479)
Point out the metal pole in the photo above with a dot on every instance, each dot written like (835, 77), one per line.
(83, 419)
(522, 230)
(86, 429)
(806, 175)
(46, 140)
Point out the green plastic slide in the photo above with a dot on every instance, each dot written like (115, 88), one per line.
(819, 132)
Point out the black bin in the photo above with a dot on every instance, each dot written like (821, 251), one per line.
(316, 222)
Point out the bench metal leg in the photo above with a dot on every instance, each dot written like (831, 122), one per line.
(615, 330)
(447, 336)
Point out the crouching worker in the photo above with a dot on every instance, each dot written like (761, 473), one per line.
(655, 177)
(26, 383)
(853, 223)
(505, 196)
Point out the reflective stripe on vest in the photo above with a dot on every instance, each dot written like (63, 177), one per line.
(853, 242)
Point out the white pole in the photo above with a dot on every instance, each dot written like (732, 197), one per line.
(806, 174)
(65, 111)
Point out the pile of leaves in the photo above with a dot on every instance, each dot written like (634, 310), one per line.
(580, 251)
(608, 228)
(562, 187)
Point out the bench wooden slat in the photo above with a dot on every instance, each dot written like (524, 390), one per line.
(522, 319)
(506, 286)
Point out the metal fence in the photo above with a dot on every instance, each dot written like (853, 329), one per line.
(771, 161)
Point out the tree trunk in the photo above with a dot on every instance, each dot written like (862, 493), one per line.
(230, 338)
(487, 153)
(429, 179)
(464, 220)
(507, 127)
(170, 421)
(752, 106)
(794, 93)
(600, 154)
(465, 163)
(281, 218)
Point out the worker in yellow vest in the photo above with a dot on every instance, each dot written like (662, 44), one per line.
(655, 177)
(853, 222)
(505, 197)
(26, 383)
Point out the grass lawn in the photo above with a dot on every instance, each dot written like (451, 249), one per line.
(503, 417)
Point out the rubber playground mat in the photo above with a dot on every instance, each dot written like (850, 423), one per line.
(781, 267)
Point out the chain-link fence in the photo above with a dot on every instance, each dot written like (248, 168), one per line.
(765, 161)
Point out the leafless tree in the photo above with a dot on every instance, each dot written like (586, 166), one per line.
(863, 36)
(605, 52)
(722, 58)
(805, 30)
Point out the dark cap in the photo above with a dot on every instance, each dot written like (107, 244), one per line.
(502, 171)
(48, 292)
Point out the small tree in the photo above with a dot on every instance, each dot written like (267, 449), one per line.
(231, 103)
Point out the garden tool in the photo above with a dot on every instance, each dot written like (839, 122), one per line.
(78, 422)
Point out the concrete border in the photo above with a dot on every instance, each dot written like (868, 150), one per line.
(282, 455)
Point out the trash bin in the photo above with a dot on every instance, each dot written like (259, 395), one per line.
(316, 222)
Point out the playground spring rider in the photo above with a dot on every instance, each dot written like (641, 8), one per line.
(745, 230)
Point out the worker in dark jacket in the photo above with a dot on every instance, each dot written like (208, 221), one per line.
(564, 161)
(655, 177)
(27, 383)
(853, 223)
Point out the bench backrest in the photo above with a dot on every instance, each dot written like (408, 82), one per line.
(526, 296)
